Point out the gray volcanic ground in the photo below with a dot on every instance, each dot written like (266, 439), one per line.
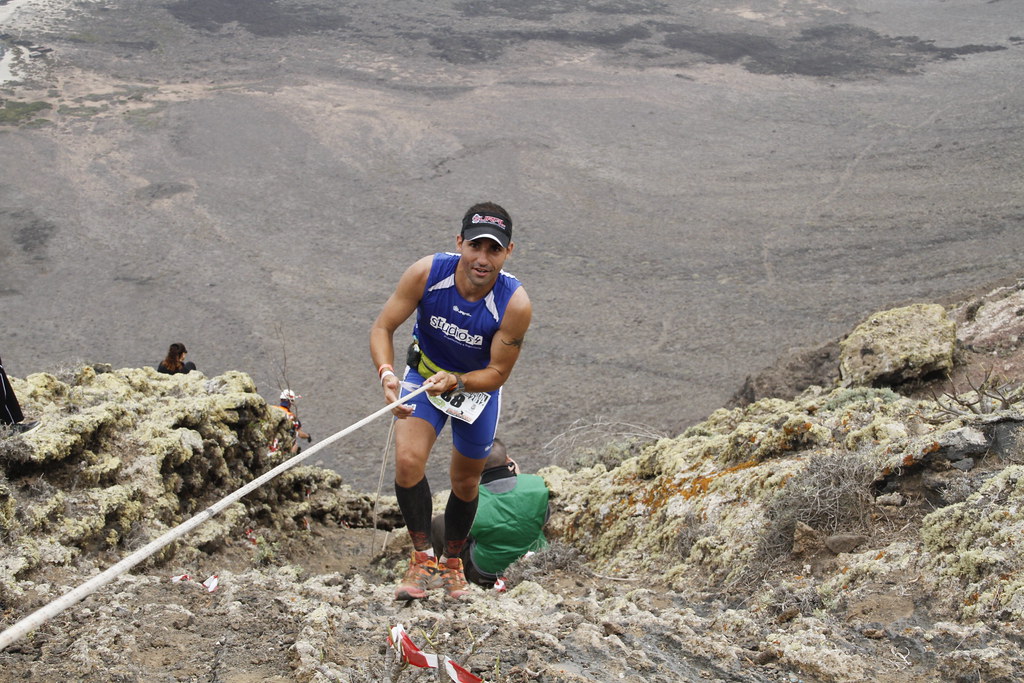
(696, 188)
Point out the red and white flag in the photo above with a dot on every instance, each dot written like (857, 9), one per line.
(458, 674)
(408, 650)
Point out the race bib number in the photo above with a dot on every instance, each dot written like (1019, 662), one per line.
(465, 406)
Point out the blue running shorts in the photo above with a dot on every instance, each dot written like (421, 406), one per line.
(471, 440)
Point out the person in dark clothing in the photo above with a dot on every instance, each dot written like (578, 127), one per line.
(10, 410)
(175, 362)
(509, 519)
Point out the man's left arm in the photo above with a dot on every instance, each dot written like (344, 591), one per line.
(505, 346)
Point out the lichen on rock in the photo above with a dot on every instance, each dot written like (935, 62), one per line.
(124, 451)
(898, 345)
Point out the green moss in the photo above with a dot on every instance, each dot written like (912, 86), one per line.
(842, 398)
(150, 117)
(103, 467)
(38, 516)
(87, 37)
(15, 113)
(8, 506)
(980, 538)
(82, 112)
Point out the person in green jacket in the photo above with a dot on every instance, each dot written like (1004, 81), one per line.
(509, 520)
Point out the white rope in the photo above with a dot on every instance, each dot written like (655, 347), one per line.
(380, 483)
(43, 614)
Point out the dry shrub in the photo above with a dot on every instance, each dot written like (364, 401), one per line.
(557, 556)
(786, 601)
(13, 448)
(266, 552)
(994, 393)
(67, 372)
(588, 443)
(831, 494)
(692, 529)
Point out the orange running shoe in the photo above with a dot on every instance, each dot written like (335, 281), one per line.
(452, 578)
(421, 576)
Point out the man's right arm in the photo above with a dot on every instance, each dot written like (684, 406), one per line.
(399, 306)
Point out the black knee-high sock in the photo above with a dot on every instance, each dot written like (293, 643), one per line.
(416, 507)
(458, 520)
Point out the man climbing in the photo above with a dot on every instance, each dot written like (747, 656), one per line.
(509, 520)
(288, 398)
(471, 319)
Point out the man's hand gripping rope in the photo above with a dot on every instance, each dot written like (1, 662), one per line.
(434, 385)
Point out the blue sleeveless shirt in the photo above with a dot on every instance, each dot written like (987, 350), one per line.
(453, 333)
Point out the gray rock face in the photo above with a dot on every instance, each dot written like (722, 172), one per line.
(963, 443)
(994, 322)
(898, 346)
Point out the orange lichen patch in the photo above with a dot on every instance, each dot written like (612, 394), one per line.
(657, 496)
(880, 555)
(910, 458)
(789, 430)
(698, 485)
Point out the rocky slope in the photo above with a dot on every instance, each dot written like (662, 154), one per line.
(861, 522)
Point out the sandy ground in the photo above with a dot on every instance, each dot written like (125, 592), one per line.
(696, 190)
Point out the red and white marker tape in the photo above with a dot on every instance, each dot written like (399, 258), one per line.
(458, 674)
(210, 584)
(411, 654)
(408, 651)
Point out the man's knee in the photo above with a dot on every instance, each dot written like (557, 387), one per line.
(466, 488)
(465, 476)
(413, 442)
(410, 466)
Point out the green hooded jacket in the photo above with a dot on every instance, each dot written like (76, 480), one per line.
(509, 524)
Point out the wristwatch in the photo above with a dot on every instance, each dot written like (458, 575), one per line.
(460, 385)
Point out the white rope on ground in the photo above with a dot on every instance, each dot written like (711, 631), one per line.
(43, 614)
